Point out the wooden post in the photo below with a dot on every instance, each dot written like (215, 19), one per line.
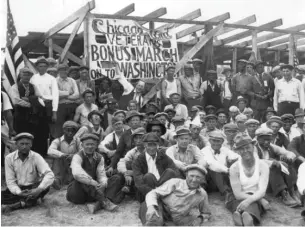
(50, 44)
(291, 49)
(151, 25)
(277, 57)
(86, 41)
(234, 63)
(254, 43)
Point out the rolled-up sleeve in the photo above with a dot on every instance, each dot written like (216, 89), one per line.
(78, 172)
(53, 149)
(75, 94)
(45, 171)
(170, 153)
(55, 95)
(10, 176)
(301, 179)
(101, 173)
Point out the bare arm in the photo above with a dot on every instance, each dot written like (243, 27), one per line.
(77, 115)
(163, 90)
(178, 87)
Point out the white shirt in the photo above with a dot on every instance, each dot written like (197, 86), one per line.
(151, 164)
(226, 90)
(171, 87)
(288, 91)
(139, 98)
(301, 179)
(107, 140)
(47, 87)
(181, 110)
(6, 104)
(291, 134)
(218, 162)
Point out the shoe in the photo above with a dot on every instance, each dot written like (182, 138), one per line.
(93, 207)
(109, 206)
(296, 196)
(126, 189)
(288, 200)
(228, 197)
(237, 219)
(265, 204)
(56, 184)
(247, 219)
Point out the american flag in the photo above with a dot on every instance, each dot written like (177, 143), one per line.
(295, 57)
(13, 54)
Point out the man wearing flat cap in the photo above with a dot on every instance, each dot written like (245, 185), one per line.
(28, 176)
(90, 180)
(169, 86)
(52, 62)
(53, 72)
(47, 89)
(190, 87)
(108, 113)
(233, 112)
(240, 121)
(287, 129)
(152, 167)
(251, 126)
(73, 72)
(171, 203)
(261, 91)
(181, 109)
(299, 116)
(62, 150)
(84, 83)
(211, 90)
(275, 124)
(218, 159)
(288, 94)
(282, 183)
(227, 88)
(160, 130)
(230, 130)
(195, 128)
(68, 96)
(211, 125)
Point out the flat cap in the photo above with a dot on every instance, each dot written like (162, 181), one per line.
(196, 167)
(170, 67)
(248, 110)
(94, 112)
(241, 98)
(70, 124)
(275, 119)
(73, 69)
(262, 131)
(299, 112)
(51, 61)
(175, 93)
(178, 119)
(221, 110)
(52, 69)
(88, 91)
(118, 112)
(188, 66)
(111, 100)
(170, 109)
(194, 109)
(88, 136)
(241, 140)
(270, 109)
(139, 131)
(116, 120)
(151, 137)
(182, 130)
(233, 109)
(243, 61)
(241, 118)
(210, 116)
(26, 70)
(252, 121)
(287, 66)
(161, 114)
(83, 67)
(287, 117)
(276, 68)
(230, 126)
(258, 62)
(217, 134)
(62, 67)
(41, 59)
(132, 114)
(23, 135)
(197, 60)
(212, 72)
(301, 67)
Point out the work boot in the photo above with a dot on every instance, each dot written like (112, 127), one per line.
(237, 219)
(93, 207)
(126, 189)
(287, 200)
(265, 204)
(5, 209)
(296, 196)
(247, 219)
(56, 184)
(109, 206)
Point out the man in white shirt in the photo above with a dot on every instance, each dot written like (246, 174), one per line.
(218, 159)
(287, 130)
(299, 116)
(48, 91)
(181, 109)
(169, 86)
(227, 89)
(288, 94)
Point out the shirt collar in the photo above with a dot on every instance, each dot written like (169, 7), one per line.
(61, 79)
(94, 154)
(16, 156)
(148, 157)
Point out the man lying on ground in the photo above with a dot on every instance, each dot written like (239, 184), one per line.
(23, 171)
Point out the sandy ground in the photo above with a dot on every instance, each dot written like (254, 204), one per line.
(56, 210)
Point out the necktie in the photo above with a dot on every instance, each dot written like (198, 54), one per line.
(27, 90)
(139, 104)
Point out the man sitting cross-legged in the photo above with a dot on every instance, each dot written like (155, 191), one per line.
(90, 180)
(172, 202)
(152, 168)
(28, 176)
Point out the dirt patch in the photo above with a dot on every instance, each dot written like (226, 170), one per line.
(56, 210)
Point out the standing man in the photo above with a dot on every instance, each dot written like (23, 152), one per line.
(169, 86)
(227, 89)
(68, 95)
(84, 83)
(48, 89)
(288, 94)
(197, 63)
(211, 90)
(261, 91)
(190, 87)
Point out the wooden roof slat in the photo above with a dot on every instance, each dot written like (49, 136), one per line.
(127, 10)
(190, 16)
(264, 38)
(245, 34)
(299, 42)
(155, 14)
(195, 28)
(302, 48)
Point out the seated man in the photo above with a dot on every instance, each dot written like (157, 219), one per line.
(181, 110)
(90, 180)
(177, 121)
(184, 153)
(230, 131)
(278, 138)
(233, 112)
(121, 114)
(62, 150)
(23, 171)
(240, 121)
(172, 202)
(195, 128)
(108, 146)
(249, 178)
(218, 160)
(251, 126)
(297, 145)
(282, 182)
(152, 168)
(287, 129)
(95, 118)
(159, 129)
(211, 125)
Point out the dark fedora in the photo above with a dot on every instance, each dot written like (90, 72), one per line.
(156, 123)
(287, 66)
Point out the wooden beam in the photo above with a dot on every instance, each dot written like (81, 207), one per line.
(302, 48)
(244, 34)
(50, 42)
(70, 40)
(86, 52)
(277, 56)
(176, 21)
(69, 55)
(127, 10)
(190, 16)
(270, 36)
(279, 41)
(195, 28)
(70, 19)
(155, 14)
(254, 43)
(234, 63)
(203, 40)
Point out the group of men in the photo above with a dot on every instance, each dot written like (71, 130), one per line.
(242, 137)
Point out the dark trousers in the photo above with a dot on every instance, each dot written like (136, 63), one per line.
(62, 171)
(287, 108)
(226, 104)
(114, 188)
(65, 112)
(23, 120)
(193, 102)
(220, 181)
(278, 181)
(254, 209)
(8, 198)
(259, 114)
(152, 182)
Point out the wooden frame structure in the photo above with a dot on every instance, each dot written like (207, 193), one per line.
(271, 48)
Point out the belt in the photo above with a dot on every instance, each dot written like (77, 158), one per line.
(289, 102)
